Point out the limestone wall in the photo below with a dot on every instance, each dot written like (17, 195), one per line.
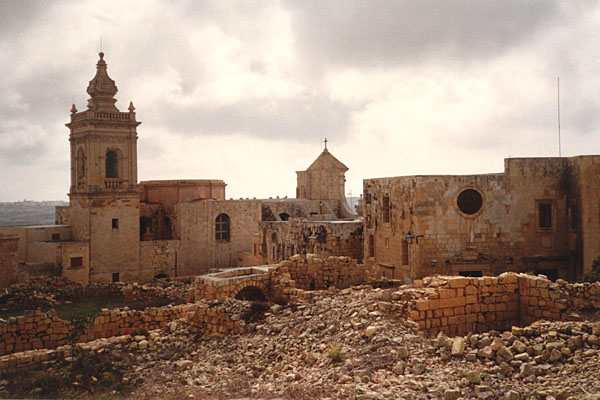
(8, 260)
(461, 305)
(584, 199)
(458, 305)
(312, 273)
(71, 254)
(115, 252)
(158, 257)
(277, 280)
(61, 215)
(227, 284)
(504, 234)
(280, 240)
(201, 318)
(37, 330)
(181, 191)
(197, 224)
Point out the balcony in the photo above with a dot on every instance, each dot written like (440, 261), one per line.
(113, 183)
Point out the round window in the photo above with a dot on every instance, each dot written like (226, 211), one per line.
(469, 201)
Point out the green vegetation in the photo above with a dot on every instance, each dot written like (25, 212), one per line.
(336, 353)
(594, 274)
(88, 308)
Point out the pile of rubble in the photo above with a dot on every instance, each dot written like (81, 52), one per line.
(347, 345)
(353, 344)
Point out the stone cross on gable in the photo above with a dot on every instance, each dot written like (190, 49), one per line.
(325, 143)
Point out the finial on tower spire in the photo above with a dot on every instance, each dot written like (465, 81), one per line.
(102, 89)
(325, 141)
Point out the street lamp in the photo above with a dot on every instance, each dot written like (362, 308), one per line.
(410, 237)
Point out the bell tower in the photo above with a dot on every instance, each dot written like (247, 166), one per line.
(103, 140)
(104, 193)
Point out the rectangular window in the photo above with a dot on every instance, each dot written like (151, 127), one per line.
(115, 223)
(371, 246)
(115, 277)
(386, 208)
(76, 262)
(404, 252)
(368, 198)
(545, 215)
(55, 237)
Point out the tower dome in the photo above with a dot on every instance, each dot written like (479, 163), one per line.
(102, 88)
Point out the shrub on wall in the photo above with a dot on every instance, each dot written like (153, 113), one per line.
(594, 274)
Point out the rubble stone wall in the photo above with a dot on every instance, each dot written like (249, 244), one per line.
(312, 273)
(37, 330)
(47, 291)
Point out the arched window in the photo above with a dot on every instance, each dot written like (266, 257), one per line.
(222, 228)
(112, 164)
(284, 216)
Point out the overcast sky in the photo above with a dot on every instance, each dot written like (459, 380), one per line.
(246, 91)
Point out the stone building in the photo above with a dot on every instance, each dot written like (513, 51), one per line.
(539, 215)
(318, 221)
(116, 229)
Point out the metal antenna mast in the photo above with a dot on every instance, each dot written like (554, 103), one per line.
(558, 100)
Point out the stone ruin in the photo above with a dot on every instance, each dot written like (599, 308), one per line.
(453, 306)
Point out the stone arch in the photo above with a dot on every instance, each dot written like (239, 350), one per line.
(284, 216)
(252, 293)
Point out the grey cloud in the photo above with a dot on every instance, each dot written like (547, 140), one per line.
(17, 15)
(299, 119)
(395, 32)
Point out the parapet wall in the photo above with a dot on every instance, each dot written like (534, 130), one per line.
(458, 305)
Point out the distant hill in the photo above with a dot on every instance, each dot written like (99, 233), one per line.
(28, 212)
